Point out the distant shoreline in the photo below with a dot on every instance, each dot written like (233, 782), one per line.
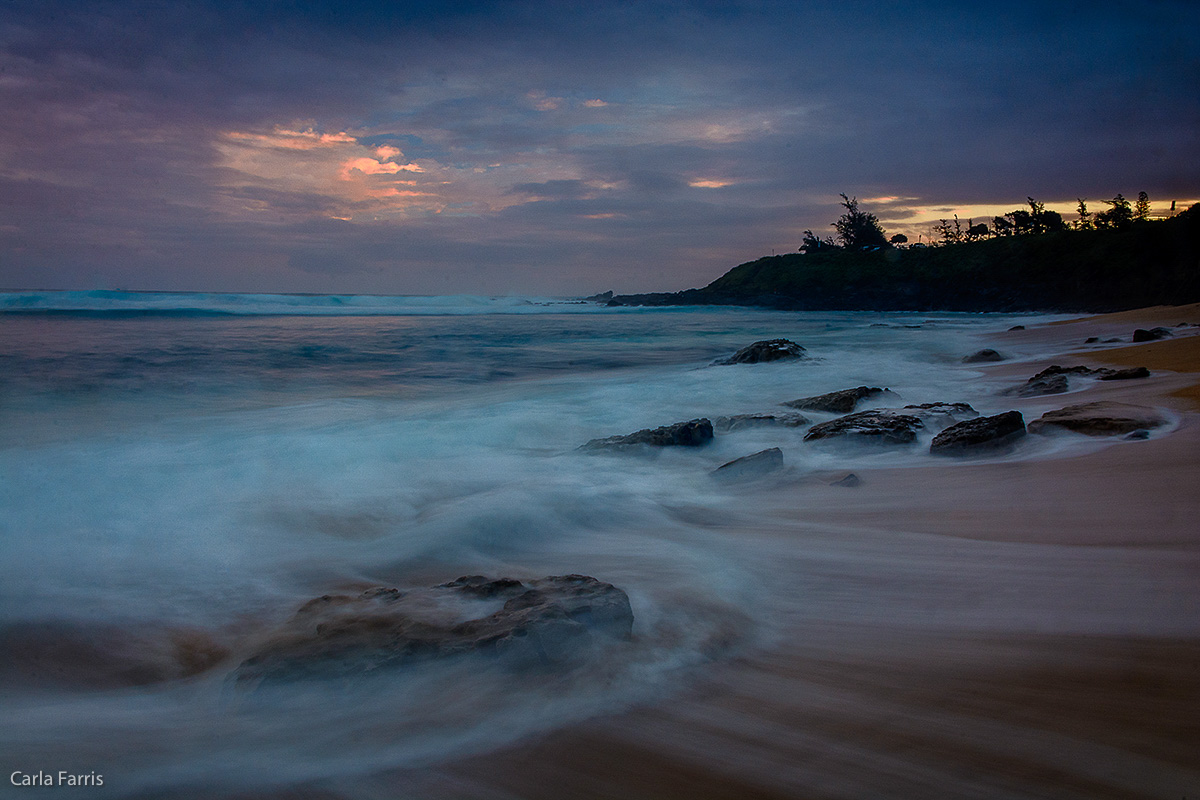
(1098, 271)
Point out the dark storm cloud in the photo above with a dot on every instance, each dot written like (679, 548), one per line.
(526, 147)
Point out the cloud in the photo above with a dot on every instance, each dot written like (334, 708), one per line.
(218, 145)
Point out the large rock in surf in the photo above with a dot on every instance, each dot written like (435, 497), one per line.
(985, 356)
(879, 426)
(1154, 334)
(1103, 418)
(739, 422)
(546, 621)
(752, 466)
(692, 433)
(766, 350)
(842, 401)
(996, 432)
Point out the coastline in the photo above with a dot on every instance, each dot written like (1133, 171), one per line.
(1067, 676)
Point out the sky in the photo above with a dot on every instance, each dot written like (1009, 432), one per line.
(556, 148)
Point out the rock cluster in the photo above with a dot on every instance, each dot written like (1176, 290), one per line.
(549, 620)
(1054, 379)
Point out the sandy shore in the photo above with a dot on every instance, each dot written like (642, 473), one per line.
(1003, 628)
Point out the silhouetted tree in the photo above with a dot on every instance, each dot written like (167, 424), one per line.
(857, 229)
(1036, 220)
(1002, 226)
(899, 238)
(949, 232)
(1085, 216)
(1141, 209)
(1022, 221)
(979, 231)
(811, 243)
(1119, 214)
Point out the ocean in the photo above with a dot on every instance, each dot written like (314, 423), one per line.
(180, 472)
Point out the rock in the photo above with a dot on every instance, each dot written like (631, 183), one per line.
(850, 481)
(1091, 340)
(1017, 328)
(545, 621)
(982, 433)
(751, 466)
(1103, 418)
(1113, 340)
(739, 422)
(603, 297)
(766, 350)
(1054, 379)
(939, 415)
(1143, 335)
(1036, 387)
(842, 401)
(1125, 374)
(983, 356)
(692, 433)
(1138, 435)
(881, 426)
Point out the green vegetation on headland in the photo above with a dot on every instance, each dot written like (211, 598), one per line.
(1042, 264)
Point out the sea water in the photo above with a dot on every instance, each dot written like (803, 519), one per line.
(179, 473)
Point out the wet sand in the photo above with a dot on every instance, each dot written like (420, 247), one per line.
(990, 629)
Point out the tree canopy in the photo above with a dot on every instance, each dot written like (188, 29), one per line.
(857, 229)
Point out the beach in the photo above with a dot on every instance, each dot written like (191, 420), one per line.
(1059, 663)
(180, 480)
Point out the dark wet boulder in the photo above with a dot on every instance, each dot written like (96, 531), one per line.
(878, 426)
(850, 481)
(842, 401)
(984, 356)
(981, 434)
(1141, 434)
(1154, 334)
(1039, 386)
(739, 422)
(752, 466)
(692, 433)
(1091, 340)
(1017, 328)
(546, 621)
(1052, 380)
(766, 350)
(1103, 418)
